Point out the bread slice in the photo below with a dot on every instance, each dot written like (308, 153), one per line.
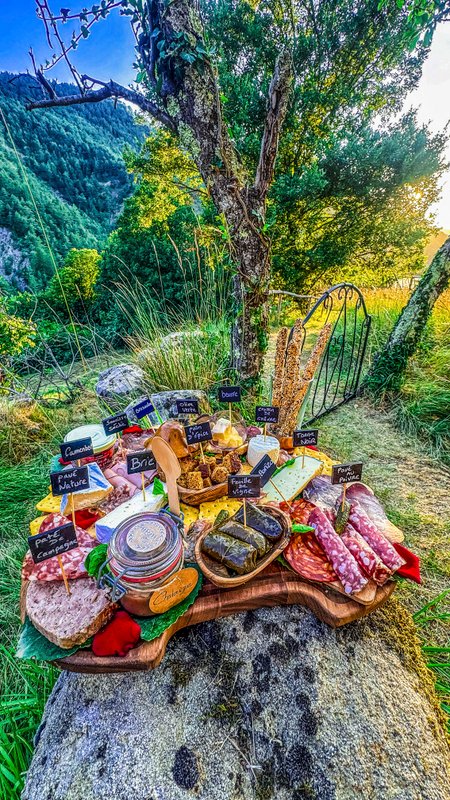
(68, 620)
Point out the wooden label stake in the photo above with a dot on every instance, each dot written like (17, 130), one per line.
(61, 566)
(344, 491)
(245, 514)
(280, 493)
(229, 411)
(72, 503)
(303, 457)
(143, 486)
(201, 450)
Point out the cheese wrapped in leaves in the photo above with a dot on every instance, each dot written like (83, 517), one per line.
(249, 535)
(238, 556)
(264, 523)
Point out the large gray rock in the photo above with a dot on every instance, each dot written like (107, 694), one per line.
(165, 401)
(121, 380)
(270, 704)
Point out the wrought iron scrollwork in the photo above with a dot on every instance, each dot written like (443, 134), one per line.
(338, 376)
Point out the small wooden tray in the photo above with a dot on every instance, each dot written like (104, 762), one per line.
(275, 586)
(195, 497)
(238, 580)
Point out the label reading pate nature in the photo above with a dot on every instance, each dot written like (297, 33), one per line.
(52, 543)
(176, 590)
(346, 473)
(187, 406)
(78, 448)
(140, 462)
(240, 486)
(306, 438)
(146, 537)
(229, 394)
(267, 413)
(115, 423)
(201, 432)
(143, 408)
(264, 469)
(70, 480)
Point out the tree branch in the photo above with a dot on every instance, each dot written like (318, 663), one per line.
(279, 89)
(107, 90)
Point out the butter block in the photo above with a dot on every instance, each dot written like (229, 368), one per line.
(105, 527)
(99, 488)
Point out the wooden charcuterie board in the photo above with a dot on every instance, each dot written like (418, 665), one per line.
(275, 586)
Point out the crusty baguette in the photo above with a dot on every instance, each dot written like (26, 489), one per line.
(68, 620)
(280, 357)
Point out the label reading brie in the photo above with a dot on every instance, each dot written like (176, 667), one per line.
(143, 537)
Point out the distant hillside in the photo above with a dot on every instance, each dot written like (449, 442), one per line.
(74, 166)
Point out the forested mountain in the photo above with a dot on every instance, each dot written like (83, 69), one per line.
(73, 165)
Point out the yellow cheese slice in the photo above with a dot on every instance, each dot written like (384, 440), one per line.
(190, 515)
(210, 510)
(326, 460)
(49, 504)
(35, 524)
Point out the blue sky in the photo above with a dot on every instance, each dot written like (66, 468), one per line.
(109, 53)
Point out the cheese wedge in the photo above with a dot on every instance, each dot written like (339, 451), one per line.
(98, 489)
(105, 527)
(49, 504)
(291, 480)
(326, 460)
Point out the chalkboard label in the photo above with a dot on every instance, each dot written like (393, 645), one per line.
(241, 486)
(267, 413)
(229, 394)
(78, 448)
(264, 469)
(52, 543)
(140, 462)
(201, 432)
(306, 438)
(143, 408)
(115, 424)
(187, 406)
(346, 473)
(71, 480)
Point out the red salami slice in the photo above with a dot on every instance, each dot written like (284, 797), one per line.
(73, 560)
(298, 510)
(384, 549)
(344, 564)
(308, 564)
(367, 559)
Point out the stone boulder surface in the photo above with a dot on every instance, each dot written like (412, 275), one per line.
(266, 705)
(165, 401)
(119, 381)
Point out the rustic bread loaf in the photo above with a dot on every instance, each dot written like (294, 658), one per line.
(68, 620)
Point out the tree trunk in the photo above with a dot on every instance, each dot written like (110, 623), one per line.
(386, 373)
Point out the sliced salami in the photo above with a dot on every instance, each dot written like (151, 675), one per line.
(382, 547)
(73, 560)
(370, 563)
(298, 510)
(311, 565)
(344, 564)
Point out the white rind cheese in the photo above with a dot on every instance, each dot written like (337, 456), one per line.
(105, 527)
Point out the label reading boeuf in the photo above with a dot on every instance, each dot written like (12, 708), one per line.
(174, 591)
(145, 537)
(229, 394)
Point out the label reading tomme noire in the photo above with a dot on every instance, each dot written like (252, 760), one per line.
(306, 438)
(242, 486)
(264, 469)
(69, 481)
(115, 423)
(346, 473)
(52, 543)
(78, 448)
(140, 462)
(267, 414)
(200, 432)
(229, 394)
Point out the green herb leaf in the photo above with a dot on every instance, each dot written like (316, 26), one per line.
(95, 558)
(152, 627)
(158, 487)
(298, 528)
(33, 644)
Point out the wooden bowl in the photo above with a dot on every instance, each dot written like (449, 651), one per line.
(194, 497)
(238, 423)
(219, 580)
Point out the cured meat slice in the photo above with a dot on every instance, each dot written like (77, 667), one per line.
(322, 492)
(378, 542)
(344, 564)
(298, 510)
(374, 510)
(312, 564)
(367, 559)
(73, 560)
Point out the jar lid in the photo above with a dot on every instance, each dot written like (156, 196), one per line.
(100, 440)
(144, 545)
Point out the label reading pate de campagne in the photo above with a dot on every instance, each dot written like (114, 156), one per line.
(264, 469)
(78, 448)
(346, 473)
(52, 543)
(69, 481)
(240, 486)
(201, 432)
(187, 406)
(267, 413)
(143, 408)
(229, 394)
(140, 462)
(306, 438)
(115, 423)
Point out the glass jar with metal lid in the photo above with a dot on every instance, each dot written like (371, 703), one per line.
(102, 443)
(144, 552)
